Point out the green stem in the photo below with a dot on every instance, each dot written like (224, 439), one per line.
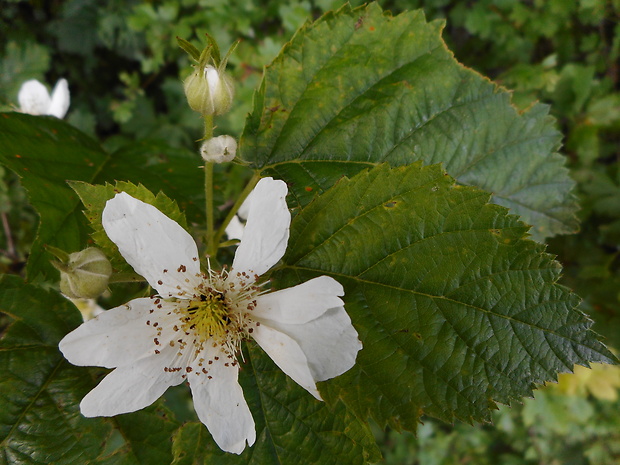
(209, 239)
(233, 211)
(208, 127)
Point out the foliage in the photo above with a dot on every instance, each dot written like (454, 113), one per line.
(556, 427)
(457, 308)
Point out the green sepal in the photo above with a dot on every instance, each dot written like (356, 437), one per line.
(190, 49)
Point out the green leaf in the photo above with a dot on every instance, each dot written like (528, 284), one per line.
(46, 152)
(291, 426)
(40, 392)
(360, 87)
(456, 309)
(94, 199)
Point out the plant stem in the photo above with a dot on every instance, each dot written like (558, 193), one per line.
(210, 216)
(209, 239)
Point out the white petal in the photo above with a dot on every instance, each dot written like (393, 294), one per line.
(301, 303)
(267, 230)
(235, 228)
(118, 336)
(155, 246)
(33, 98)
(329, 342)
(220, 404)
(60, 99)
(132, 387)
(288, 355)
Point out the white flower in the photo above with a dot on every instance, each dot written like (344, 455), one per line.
(34, 98)
(192, 331)
(219, 149)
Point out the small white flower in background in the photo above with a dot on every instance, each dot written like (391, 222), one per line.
(192, 331)
(34, 98)
(220, 149)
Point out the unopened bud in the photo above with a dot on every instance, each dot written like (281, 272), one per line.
(209, 91)
(219, 149)
(85, 275)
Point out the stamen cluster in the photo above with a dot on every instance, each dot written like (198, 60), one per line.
(217, 313)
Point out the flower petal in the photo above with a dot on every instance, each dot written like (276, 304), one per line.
(118, 336)
(60, 99)
(267, 230)
(33, 98)
(320, 349)
(155, 246)
(301, 303)
(330, 343)
(132, 387)
(219, 402)
(288, 355)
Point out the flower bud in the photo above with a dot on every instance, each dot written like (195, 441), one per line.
(85, 275)
(209, 91)
(219, 149)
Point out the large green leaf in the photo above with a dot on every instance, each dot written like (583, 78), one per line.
(46, 152)
(40, 392)
(360, 87)
(291, 426)
(455, 308)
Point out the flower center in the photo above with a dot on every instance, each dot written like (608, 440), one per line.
(209, 317)
(216, 316)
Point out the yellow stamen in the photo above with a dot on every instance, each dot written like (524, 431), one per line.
(208, 318)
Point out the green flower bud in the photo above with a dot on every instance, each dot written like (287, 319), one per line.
(209, 91)
(85, 275)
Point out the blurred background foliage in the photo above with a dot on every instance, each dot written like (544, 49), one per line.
(124, 70)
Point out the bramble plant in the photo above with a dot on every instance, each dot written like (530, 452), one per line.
(385, 260)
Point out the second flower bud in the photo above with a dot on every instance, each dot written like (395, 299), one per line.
(220, 149)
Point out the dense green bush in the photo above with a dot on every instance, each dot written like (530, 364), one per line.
(125, 69)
